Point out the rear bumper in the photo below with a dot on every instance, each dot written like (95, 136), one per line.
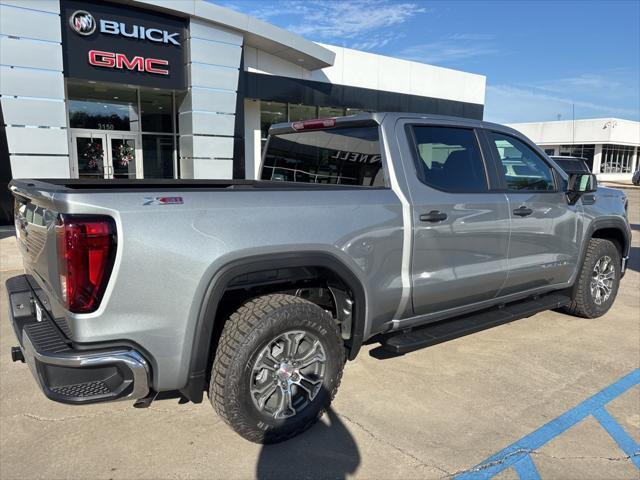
(66, 374)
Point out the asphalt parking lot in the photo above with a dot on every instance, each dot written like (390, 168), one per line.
(434, 413)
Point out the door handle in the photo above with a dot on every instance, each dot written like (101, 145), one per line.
(433, 216)
(523, 211)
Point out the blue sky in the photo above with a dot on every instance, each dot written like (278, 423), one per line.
(540, 57)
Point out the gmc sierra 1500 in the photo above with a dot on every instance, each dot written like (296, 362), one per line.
(418, 228)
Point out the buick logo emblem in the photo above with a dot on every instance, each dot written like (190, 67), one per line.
(82, 23)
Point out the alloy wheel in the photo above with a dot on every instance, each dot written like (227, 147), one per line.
(287, 374)
(602, 279)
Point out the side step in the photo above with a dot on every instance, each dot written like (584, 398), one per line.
(459, 327)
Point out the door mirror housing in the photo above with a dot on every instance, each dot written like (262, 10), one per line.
(579, 184)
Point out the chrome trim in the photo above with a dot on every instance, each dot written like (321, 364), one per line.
(625, 260)
(128, 358)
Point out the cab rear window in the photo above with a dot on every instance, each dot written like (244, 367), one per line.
(344, 156)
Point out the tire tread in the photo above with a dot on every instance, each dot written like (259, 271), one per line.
(580, 305)
(236, 329)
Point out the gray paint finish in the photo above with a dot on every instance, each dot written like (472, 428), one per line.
(168, 254)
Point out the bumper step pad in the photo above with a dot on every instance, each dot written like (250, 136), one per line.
(64, 373)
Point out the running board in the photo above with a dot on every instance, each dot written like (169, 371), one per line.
(459, 327)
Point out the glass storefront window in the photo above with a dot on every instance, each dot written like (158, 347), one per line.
(302, 112)
(157, 156)
(98, 107)
(616, 159)
(270, 113)
(156, 111)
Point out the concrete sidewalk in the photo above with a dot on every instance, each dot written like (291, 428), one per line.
(623, 185)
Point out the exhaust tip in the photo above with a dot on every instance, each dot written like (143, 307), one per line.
(17, 355)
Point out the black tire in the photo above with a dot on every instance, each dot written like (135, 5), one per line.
(251, 329)
(583, 303)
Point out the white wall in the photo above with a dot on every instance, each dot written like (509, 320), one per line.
(207, 112)
(252, 140)
(598, 130)
(367, 70)
(32, 88)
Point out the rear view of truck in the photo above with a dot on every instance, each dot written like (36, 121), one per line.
(68, 260)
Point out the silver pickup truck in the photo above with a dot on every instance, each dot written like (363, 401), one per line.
(402, 229)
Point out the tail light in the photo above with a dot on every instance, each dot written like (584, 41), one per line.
(86, 251)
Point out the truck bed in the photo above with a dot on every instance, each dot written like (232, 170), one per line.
(67, 185)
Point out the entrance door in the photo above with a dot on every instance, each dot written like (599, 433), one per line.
(107, 155)
(124, 156)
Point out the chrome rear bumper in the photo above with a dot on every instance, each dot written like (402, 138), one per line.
(66, 374)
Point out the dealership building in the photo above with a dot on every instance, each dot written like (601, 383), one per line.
(182, 88)
(610, 146)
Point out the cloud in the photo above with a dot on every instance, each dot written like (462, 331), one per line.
(451, 48)
(372, 42)
(615, 84)
(508, 104)
(359, 24)
(352, 19)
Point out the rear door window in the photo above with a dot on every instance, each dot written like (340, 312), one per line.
(343, 155)
(449, 159)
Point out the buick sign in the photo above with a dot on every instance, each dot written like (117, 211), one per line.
(82, 22)
(139, 32)
(122, 43)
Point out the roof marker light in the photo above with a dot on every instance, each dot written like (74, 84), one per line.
(314, 124)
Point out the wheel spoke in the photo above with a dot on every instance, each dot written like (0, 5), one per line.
(311, 386)
(285, 409)
(264, 394)
(265, 362)
(315, 354)
(293, 340)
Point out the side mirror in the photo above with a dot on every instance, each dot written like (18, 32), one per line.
(579, 184)
(582, 183)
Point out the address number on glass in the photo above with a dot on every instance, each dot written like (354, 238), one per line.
(105, 126)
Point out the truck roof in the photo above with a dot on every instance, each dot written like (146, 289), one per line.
(377, 117)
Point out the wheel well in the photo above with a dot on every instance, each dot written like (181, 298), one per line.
(315, 276)
(316, 284)
(614, 235)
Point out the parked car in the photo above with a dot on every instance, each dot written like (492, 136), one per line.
(403, 227)
(636, 177)
(571, 164)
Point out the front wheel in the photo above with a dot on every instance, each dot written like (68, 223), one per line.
(597, 285)
(277, 367)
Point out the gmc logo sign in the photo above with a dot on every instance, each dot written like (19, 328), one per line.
(120, 61)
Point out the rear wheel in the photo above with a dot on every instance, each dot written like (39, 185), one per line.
(278, 366)
(597, 285)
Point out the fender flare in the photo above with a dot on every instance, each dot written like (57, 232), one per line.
(600, 224)
(615, 223)
(203, 332)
